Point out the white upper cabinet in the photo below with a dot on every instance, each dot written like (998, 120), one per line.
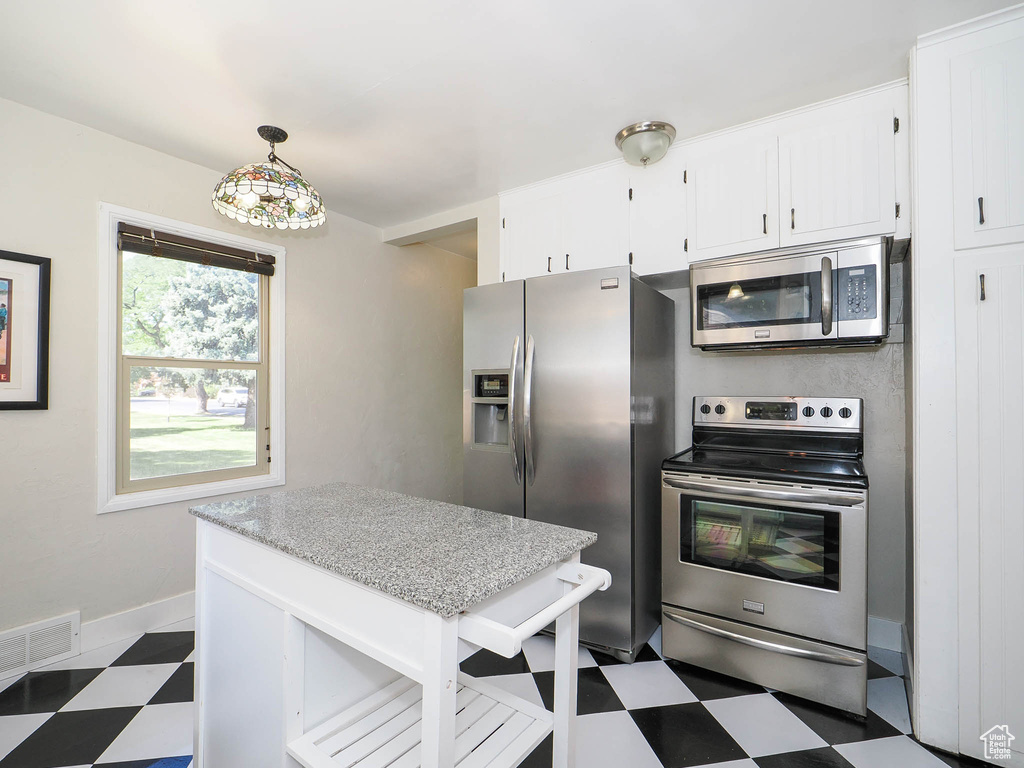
(596, 217)
(987, 92)
(831, 171)
(837, 177)
(732, 196)
(573, 223)
(531, 233)
(657, 216)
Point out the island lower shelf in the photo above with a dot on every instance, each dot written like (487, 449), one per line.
(493, 729)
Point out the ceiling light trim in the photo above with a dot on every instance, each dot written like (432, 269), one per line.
(645, 143)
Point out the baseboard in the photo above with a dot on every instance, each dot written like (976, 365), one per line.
(883, 633)
(908, 675)
(908, 651)
(145, 618)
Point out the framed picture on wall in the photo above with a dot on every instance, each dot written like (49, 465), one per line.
(24, 331)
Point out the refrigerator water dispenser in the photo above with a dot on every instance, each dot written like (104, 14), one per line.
(490, 410)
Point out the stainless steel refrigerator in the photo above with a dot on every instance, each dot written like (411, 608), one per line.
(568, 412)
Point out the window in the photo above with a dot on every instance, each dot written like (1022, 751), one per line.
(192, 411)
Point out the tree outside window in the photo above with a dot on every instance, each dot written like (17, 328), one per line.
(193, 367)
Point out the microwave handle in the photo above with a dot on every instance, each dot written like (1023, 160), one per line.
(826, 295)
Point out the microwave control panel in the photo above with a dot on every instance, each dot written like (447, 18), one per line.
(858, 292)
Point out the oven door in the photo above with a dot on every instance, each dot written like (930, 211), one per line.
(782, 556)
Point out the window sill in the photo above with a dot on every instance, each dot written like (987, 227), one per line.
(116, 503)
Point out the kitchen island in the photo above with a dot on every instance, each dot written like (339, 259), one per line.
(330, 623)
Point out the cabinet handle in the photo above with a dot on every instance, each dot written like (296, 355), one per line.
(764, 223)
(549, 263)
(981, 279)
(792, 218)
(567, 261)
(981, 210)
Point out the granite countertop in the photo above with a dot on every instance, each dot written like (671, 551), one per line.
(439, 556)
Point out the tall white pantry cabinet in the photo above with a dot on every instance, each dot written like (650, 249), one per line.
(968, 383)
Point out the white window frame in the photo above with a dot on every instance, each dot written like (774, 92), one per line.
(108, 499)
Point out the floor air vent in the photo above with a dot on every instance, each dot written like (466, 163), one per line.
(39, 644)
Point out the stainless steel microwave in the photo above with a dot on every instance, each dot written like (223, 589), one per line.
(826, 295)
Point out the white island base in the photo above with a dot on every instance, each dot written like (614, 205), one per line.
(299, 666)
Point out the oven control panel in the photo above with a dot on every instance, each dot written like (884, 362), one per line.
(829, 414)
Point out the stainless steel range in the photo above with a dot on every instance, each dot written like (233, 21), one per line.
(764, 546)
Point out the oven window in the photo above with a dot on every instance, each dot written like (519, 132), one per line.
(773, 543)
(767, 301)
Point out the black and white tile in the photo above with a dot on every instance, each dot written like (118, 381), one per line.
(659, 713)
(126, 705)
(129, 705)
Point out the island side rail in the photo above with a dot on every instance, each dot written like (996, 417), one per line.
(508, 641)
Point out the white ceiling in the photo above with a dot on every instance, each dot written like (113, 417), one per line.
(402, 108)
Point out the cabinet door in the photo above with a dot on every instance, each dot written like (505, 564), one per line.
(596, 219)
(987, 92)
(532, 235)
(990, 504)
(732, 196)
(837, 179)
(657, 216)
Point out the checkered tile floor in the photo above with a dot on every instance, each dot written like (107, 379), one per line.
(129, 705)
(126, 705)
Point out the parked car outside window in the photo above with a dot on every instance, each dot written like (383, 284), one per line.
(233, 396)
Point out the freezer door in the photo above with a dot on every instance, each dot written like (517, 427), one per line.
(578, 431)
(492, 332)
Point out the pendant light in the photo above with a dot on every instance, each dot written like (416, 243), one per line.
(270, 194)
(645, 143)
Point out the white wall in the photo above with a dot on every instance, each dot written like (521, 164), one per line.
(488, 233)
(374, 337)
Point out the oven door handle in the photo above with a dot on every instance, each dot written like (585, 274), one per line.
(765, 645)
(766, 494)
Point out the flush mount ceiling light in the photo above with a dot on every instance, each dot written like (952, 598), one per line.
(645, 143)
(270, 194)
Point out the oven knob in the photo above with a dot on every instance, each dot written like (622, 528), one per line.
(808, 411)
(719, 409)
(826, 411)
(705, 409)
(845, 413)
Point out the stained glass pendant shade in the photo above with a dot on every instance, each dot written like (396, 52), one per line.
(270, 194)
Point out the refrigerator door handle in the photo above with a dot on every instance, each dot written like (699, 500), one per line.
(513, 442)
(527, 400)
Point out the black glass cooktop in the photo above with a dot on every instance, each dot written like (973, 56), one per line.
(784, 466)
